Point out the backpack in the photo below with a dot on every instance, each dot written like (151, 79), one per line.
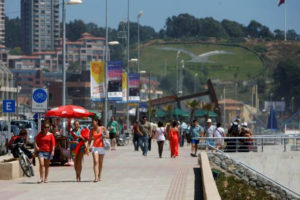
(234, 130)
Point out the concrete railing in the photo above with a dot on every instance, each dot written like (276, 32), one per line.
(210, 190)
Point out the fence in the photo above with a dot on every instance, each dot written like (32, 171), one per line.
(254, 144)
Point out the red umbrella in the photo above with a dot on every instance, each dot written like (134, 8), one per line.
(69, 111)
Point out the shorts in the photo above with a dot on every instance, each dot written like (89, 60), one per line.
(98, 150)
(193, 141)
(45, 154)
(220, 141)
(112, 135)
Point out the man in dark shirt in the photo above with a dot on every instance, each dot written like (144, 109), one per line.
(144, 130)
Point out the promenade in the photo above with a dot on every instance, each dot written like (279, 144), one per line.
(127, 175)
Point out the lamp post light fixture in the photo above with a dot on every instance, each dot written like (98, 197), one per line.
(113, 43)
(177, 73)
(71, 2)
(195, 84)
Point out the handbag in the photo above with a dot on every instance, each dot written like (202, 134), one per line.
(106, 144)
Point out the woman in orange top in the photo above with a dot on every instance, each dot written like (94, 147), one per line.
(97, 134)
(174, 139)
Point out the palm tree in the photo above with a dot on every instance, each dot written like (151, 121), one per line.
(193, 106)
(169, 109)
(208, 107)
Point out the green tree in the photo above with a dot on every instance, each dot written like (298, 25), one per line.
(193, 106)
(12, 32)
(74, 29)
(286, 80)
(233, 28)
(254, 28)
(291, 35)
(74, 68)
(279, 34)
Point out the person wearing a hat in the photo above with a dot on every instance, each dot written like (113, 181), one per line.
(209, 133)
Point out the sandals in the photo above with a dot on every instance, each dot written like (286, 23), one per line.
(96, 180)
(40, 181)
(45, 181)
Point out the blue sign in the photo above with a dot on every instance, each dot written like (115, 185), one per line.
(8, 106)
(39, 96)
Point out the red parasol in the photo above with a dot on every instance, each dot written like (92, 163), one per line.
(69, 111)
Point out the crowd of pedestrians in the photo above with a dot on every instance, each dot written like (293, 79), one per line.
(174, 134)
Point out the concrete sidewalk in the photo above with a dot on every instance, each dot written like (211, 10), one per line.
(126, 175)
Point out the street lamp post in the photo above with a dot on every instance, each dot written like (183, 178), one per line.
(195, 84)
(177, 74)
(71, 2)
(292, 106)
(106, 63)
(128, 57)
(138, 21)
(180, 92)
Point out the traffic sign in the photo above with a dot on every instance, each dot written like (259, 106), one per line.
(39, 100)
(8, 106)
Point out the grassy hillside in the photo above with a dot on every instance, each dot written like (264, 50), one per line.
(238, 63)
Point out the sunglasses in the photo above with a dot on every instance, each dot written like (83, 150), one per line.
(46, 127)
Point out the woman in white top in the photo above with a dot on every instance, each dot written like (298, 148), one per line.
(219, 134)
(160, 138)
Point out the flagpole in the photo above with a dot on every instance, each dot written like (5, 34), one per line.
(285, 21)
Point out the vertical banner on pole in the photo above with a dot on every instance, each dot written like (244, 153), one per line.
(124, 87)
(97, 80)
(114, 80)
(134, 87)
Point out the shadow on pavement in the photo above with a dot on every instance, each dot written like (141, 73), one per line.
(198, 184)
(66, 181)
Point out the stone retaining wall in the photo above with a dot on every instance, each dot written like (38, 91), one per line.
(252, 178)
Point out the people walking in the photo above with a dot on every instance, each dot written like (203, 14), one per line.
(174, 139)
(145, 130)
(183, 130)
(44, 146)
(195, 131)
(97, 134)
(136, 135)
(113, 128)
(74, 140)
(209, 130)
(160, 138)
(219, 134)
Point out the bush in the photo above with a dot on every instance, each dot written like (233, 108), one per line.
(260, 48)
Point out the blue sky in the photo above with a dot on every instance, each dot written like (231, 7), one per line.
(156, 11)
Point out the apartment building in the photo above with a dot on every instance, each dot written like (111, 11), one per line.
(40, 25)
(2, 23)
(80, 52)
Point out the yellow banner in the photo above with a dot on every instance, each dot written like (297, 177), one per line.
(124, 86)
(97, 69)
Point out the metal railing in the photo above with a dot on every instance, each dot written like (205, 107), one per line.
(257, 172)
(253, 144)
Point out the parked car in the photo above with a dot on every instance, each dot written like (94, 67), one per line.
(15, 130)
(29, 126)
(4, 137)
(3, 149)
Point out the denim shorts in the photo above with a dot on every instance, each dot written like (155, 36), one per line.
(195, 141)
(45, 154)
(98, 150)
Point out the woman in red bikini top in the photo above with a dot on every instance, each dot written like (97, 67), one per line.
(97, 134)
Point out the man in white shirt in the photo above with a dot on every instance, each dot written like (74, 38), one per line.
(219, 134)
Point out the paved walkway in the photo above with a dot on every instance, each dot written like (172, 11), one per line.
(126, 175)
